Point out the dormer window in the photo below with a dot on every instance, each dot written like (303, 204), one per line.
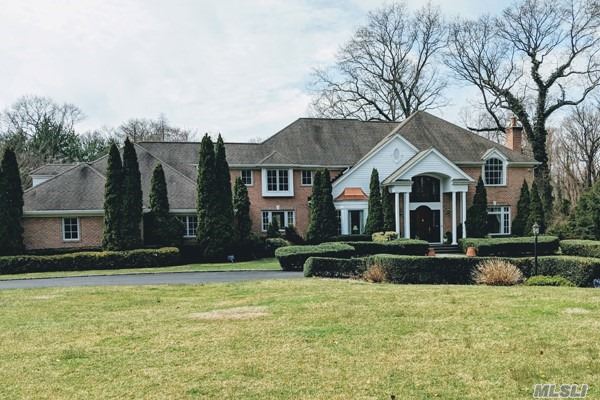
(494, 172)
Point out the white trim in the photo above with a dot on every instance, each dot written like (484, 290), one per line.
(278, 193)
(373, 152)
(405, 169)
(62, 213)
(62, 229)
(495, 154)
(285, 212)
(286, 166)
(433, 205)
(312, 177)
(251, 176)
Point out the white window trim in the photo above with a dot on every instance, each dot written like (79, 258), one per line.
(62, 228)
(184, 219)
(251, 176)
(509, 216)
(278, 193)
(312, 177)
(495, 154)
(285, 218)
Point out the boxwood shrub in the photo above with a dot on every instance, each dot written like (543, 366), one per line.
(328, 267)
(456, 270)
(410, 247)
(511, 246)
(580, 270)
(292, 258)
(543, 280)
(583, 248)
(90, 260)
(430, 270)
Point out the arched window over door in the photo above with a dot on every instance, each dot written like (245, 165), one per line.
(425, 189)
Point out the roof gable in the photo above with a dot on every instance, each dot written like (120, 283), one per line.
(430, 161)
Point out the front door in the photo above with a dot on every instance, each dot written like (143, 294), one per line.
(425, 224)
(356, 222)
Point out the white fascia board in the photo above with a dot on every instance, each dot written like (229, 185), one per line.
(58, 213)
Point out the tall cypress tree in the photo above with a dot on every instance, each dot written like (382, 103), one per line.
(520, 222)
(207, 187)
(315, 227)
(113, 199)
(375, 217)
(164, 228)
(389, 216)
(241, 208)
(536, 212)
(329, 222)
(223, 242)
(477, 218)
(132, 198)
(11, 205)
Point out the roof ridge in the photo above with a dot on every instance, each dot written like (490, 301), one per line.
(52, 164)
(54, 177)
(167, 165)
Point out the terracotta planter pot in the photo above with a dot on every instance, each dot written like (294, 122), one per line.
(431, 252)
(471, 252)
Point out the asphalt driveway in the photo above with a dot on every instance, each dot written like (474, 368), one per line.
(162, 278)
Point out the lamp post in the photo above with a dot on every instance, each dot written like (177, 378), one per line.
(536, 231)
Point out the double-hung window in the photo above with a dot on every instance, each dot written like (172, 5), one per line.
(307, 178)
(70, 229)
(499, 220)
(246, 176)
(190, 225)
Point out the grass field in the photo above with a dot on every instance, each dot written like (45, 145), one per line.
(306, 339)
(264, 264)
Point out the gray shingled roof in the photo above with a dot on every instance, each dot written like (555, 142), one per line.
(79, 188)
(51, 169)
(457, 144)
(306, 142)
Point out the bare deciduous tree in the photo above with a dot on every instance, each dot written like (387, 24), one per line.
(575, 152)
(142, 129)
(386, 71)
(538, 57)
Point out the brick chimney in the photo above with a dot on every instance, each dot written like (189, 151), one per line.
(514, 135)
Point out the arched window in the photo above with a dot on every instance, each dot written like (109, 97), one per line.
(494, 171)
(425, 189)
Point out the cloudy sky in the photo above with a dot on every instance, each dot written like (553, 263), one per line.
(237, 67)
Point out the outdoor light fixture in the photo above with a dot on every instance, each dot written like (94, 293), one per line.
(536, 231)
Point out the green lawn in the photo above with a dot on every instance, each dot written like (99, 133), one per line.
(264, 264)
(305, 339)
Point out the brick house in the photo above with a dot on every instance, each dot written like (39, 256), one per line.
(429, 165)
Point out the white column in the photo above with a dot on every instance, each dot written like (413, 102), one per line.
(406, 216)
(463, 214)
(345, 222)
(454, 241)
(397, 212)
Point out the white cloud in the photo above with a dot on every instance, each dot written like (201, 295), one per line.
(235, 67)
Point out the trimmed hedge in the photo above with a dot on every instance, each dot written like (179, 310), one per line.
(408, 247)
(351, 238)
(292, 258)
(543, 280)
(580, 270)
(583, 248)
(454, 270)
(328, 267)
(90, 260)
(511, 246)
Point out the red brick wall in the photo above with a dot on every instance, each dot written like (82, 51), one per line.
(46, 233)
(298, 203)
(503, 195)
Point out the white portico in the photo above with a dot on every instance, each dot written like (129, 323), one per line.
(422, 182)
